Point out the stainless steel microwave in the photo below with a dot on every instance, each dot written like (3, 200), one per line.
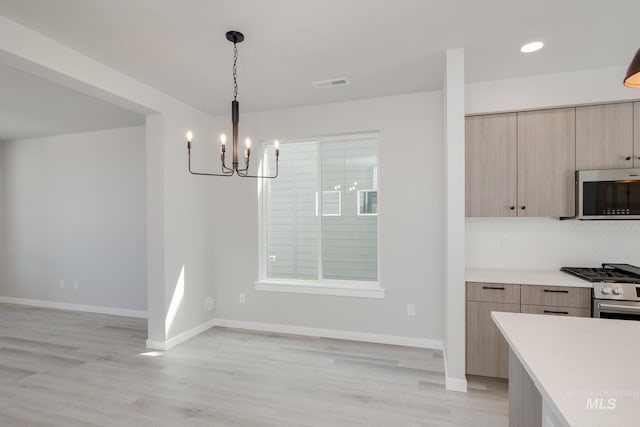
(608, 194)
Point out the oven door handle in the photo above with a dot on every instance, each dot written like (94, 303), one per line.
(622, 308)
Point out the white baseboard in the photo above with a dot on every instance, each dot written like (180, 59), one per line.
(180, 338)
(456, 384)
(75, 307)
(452, 383)
(239, 324)
(331, 333)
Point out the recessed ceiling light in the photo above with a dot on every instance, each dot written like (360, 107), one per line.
(531, 47)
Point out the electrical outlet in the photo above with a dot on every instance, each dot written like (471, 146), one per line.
(411, 309)
(61, 284)
(242, 298)
(505, 242)
(76, 285)
(209, 303)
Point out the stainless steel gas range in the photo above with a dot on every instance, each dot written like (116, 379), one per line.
(616, 290)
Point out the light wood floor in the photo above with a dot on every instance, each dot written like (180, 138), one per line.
(60, 368)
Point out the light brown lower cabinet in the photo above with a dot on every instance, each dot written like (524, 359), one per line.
(487, 351)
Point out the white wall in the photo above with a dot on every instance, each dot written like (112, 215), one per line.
(186, 225)
(549, 90)
(454, 208)
(545, 242)
(411, 219)
(74, 210)
(176, 219)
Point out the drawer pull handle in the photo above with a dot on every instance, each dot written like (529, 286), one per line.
(555, 291)
(496, 288)
(555, 312)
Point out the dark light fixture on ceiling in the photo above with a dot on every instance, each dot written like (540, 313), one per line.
(235, 37)
(633, 73)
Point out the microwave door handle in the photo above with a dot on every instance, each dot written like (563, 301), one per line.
(621, 308)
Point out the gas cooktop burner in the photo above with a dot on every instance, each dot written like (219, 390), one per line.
(613, 273)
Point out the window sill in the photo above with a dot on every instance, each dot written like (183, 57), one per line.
(345, 289)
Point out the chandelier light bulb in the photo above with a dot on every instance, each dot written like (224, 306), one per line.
(247, 143)
(189, 136)
(223, 143)
(276, 144)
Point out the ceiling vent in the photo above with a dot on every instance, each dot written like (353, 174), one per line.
(343, 81)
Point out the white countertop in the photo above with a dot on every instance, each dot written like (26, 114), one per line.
(525, 277)
(573, 359)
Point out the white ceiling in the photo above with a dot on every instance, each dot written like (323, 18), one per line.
(31, 107)
(384, 47)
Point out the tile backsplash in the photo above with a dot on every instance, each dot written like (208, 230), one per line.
(546, 243)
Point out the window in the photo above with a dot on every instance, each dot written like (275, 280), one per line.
(367, 202)
(331, 203)
(319, 228)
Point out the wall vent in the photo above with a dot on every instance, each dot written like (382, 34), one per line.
(342, 81)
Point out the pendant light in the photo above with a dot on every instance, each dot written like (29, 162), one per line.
(633, 73)
(235, 37)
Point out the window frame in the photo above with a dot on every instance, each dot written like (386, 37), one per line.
(349, 288)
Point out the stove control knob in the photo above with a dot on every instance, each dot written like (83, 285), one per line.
(605, 291)
(617, 291)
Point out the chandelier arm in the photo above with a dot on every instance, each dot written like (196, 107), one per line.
(205, 173)
(246, 175)
(211, 174)
(225, 168)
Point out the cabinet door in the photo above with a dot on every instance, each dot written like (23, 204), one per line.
(636, 135)
(546, 163)
(487, 350)
(490, 156)
(604, 136)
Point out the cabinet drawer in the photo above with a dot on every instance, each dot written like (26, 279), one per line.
(555, 310)
(493, 292)
(558, 296)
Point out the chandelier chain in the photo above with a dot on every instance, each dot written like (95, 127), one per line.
(235, 69)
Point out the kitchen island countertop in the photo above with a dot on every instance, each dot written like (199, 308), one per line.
(585, 369)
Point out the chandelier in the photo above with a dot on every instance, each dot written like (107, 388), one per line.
(235, 37)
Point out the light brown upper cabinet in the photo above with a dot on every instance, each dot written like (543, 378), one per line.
(636, 135)
(491, 160)
(521, 164)
(546, 163)
(604, 137)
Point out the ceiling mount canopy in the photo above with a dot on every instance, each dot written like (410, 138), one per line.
(234, 37)
(632, 78)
